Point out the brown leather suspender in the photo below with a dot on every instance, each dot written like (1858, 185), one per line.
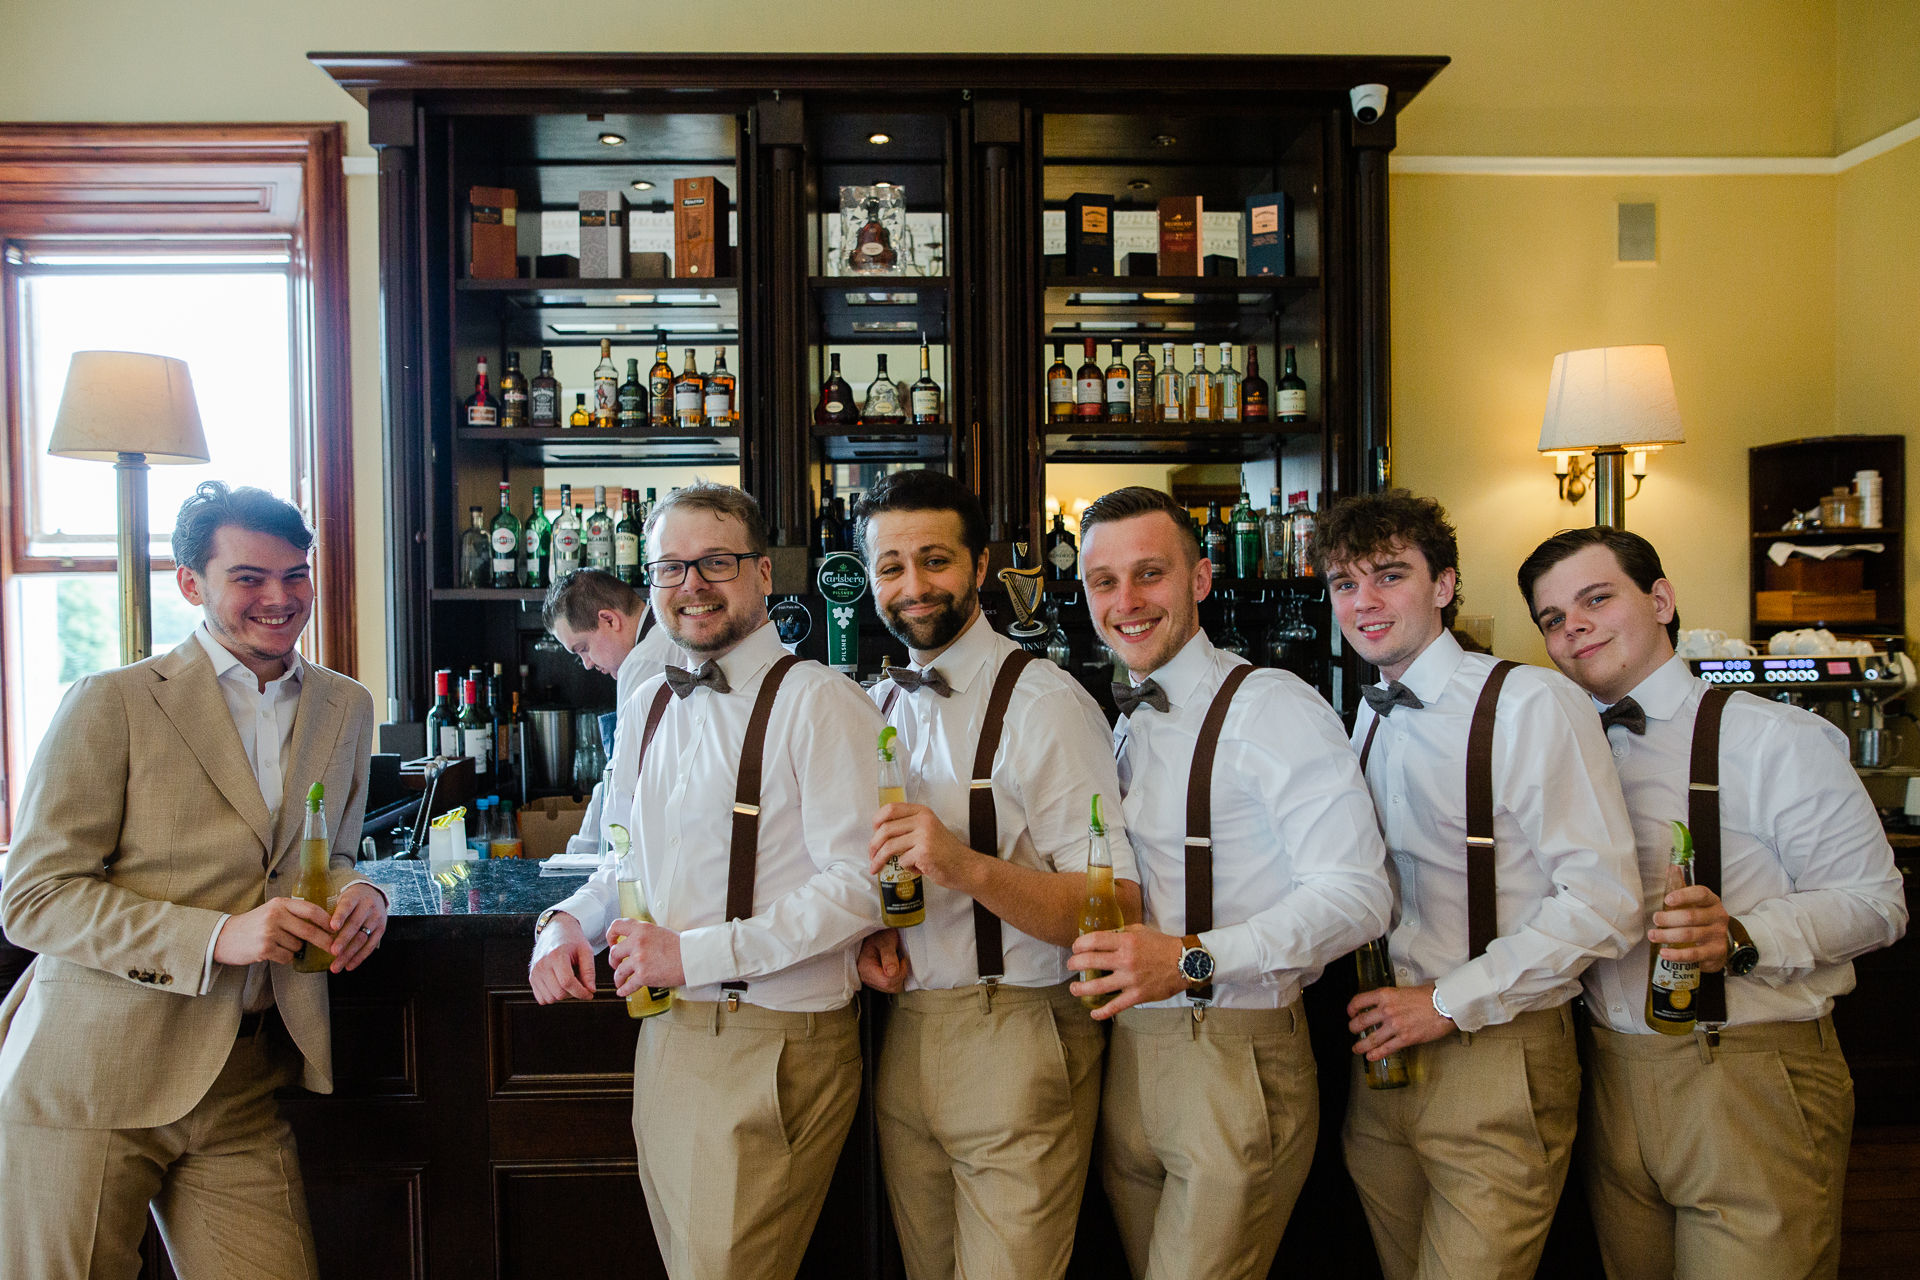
(646, 624)
(1703, 815)
(1199, 844)
(983, 823)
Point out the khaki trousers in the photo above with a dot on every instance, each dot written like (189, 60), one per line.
(1460, 1171)
(738, 1118)
(223, 1181)
(1727, 1161)
(1207, 1132)
(986, 1107)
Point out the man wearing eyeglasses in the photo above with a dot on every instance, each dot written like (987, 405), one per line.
(744, 1090)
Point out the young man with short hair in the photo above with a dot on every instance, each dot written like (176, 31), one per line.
(984, 1172)
(1723, 1151)
(1211, 1107)
(608, 626)
(1513, 860)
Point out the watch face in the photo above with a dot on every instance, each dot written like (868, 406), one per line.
(1196, 965)
(1742, 961)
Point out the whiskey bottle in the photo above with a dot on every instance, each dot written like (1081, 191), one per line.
(1293, 393)
(1169, 389)
(923, 399)
(1143, 385)
(513, 393)
(606, 388)
(476, 565)
(1375, 967)
(481, 409)
(872, 246)
(689, 396)
(539, 542)
(1063, 555)
(566, 536)
(1227, 387)
(1254, 406)
(626, 541)
(883, 399)
(600, 532)
(543, 397)
(582, 416)
(1119, 389)
(1218, 541)
(902, 902)
(836, 407)
(660, 390)
(1246, 539)
(1201, 406)
(1672, 984)
(504, 534)
(633, 397)
(1102, 910)
(1089, 388)
(720, 406)
(1059, 387)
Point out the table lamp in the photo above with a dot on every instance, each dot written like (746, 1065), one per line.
(1613, 401)
(130, 409)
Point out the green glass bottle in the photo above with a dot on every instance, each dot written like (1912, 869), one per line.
(539, 543)
(504, 539)
(633, 398)
(1246, 539)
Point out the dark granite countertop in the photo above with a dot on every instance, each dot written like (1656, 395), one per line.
(496, 897)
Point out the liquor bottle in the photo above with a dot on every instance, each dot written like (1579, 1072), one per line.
(1376, 970)
(1200, 402)
(1063, 554)
(1059, 648)
(1227, 386)
(476, 730)
(1102, 910)
(836, 407)
(505, 537)
(582, 416)
(1089, 388)
(513, 393)
(1119, 389)
(1671, 984)
(600, 532)
(1059, 387)
(626, 543)
(1254, 406)
(1273, 538)
(476, 563)
(646, 1001)
(660, 390)
(689, 396)
(842, 526)
(481, 410)
(902, 903)
(923, 398)
(872, 246)
(316, 882)
(543, 398)
(1218, 541)
(1246, 539)
(720, 405)
(825, 540)
(606, 388)
(566, 536)
(1300, 537)
(1143, 385)
(633, 398)
(1169, 389)
(503, 760)
(882, 407)
(1293, 393)
(443, 735)
(539, 542)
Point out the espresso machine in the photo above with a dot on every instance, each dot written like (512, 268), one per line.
(1852, 690)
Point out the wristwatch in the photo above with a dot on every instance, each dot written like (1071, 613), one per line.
(545, 916)
(1196, 962)
(1742, 955)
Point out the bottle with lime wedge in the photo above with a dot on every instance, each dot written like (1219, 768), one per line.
(1102, 911)
(902, 904)
(647, 1001)
(1673, 984)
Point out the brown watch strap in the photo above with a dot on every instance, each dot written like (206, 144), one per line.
(1199, 844)
(1703, 816)
(983, 822)
(1483, 919)
(744, 855)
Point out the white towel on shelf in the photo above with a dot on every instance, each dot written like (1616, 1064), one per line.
(1781, 552)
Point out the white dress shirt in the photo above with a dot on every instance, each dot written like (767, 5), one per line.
(1567, 887)
(820, 784)
(644, 661)
(1804, 863)
(1298, 868)
(1054, 754)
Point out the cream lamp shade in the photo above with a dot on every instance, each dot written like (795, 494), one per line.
(1610, 398)
(128, 402)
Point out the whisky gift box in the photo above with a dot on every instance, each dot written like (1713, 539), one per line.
(700, 227)
(1270, 235)
(1142, 264)
(493, 234)
(1180, 235)
(1089, 235)
(603, 235)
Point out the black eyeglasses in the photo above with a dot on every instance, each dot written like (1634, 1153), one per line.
(720, 567)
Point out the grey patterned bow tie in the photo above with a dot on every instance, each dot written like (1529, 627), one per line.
(684, 682)
(909, 679)
(1131, 697)
(1627, 714)
(1383, 701)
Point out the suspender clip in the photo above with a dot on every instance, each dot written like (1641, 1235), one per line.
(1703, 786)
(980, 784)
(1199, 842)
(750, 810)
(733, 1002)
(1480, 842)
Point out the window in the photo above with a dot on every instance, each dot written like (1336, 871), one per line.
(223, 246)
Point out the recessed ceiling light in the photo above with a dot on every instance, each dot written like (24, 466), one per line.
(1138, 184)
(879, 139)
(643, 186)
(612, 140)
(1164, 139)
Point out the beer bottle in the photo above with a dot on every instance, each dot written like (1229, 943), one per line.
(1376, 971)
(316, 883)
(647, 1001)
(902, 904)
(1102, 911)
(1672, 983)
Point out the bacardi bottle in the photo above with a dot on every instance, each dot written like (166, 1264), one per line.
(566, 536)
(600, 532)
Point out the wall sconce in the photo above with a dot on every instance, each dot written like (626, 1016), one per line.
(1610, 402)
(1574, 471)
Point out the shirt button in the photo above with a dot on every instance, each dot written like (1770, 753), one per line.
(1616, 1008)
(1396, 799)
(1405, 973)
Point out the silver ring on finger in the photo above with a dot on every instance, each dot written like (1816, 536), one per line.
(366, 931)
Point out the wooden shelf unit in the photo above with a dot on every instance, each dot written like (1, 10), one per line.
(1792, 476)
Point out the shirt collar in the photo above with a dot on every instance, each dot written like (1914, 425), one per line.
(225, 663)
(751, 656)
(1181, 675)
(962, 660)
(1663, 693)
(1430, 672)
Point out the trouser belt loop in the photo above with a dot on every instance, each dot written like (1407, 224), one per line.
(1825, 1026)
(809, 1026)
(1706, 1041)
(986, 987)
(713, 1018)
(1466, 1037)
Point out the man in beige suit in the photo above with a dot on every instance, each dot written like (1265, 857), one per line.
(155, 847)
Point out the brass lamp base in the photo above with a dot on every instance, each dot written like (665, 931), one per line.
(135, 560)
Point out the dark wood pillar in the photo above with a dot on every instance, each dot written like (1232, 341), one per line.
(1004, 408)
(777, 474)
(1374, 383)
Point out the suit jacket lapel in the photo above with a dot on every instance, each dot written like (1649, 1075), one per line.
(316, 726)
(188, 693)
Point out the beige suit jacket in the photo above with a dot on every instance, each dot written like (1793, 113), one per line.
(140, 825)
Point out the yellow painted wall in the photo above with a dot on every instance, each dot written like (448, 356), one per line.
(1877, 69)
